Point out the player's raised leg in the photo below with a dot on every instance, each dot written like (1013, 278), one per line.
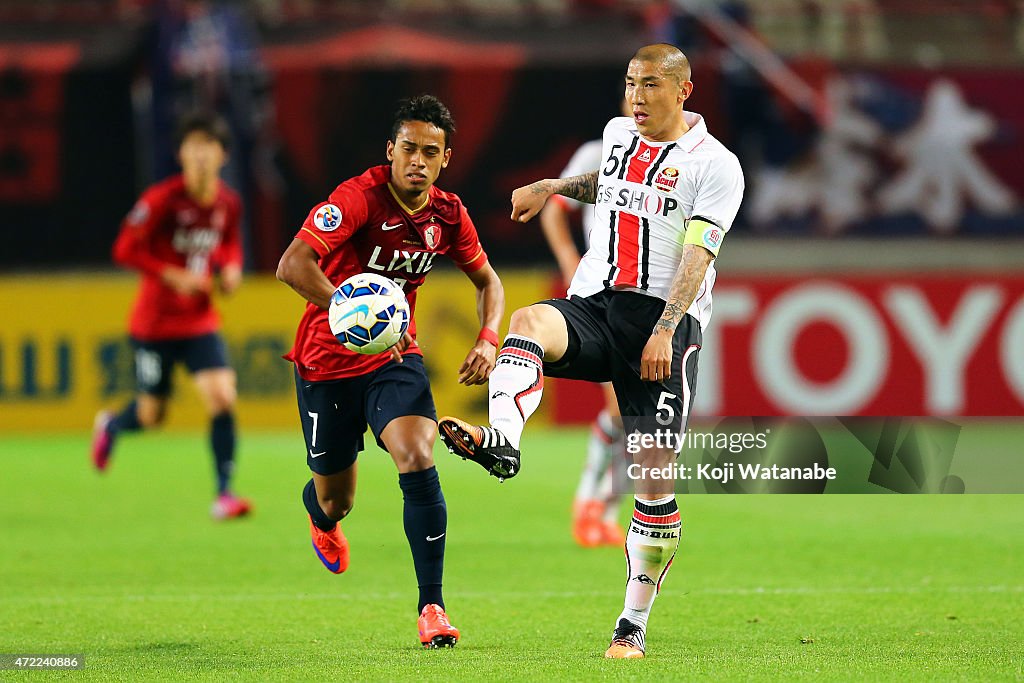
(537, 334)
(333, 423)
(216, 386)
(328, 499)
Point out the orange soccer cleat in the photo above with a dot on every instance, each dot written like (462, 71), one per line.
(627, 642)
(330, 546)
(587, 526)
(435, 629)
(230, 506)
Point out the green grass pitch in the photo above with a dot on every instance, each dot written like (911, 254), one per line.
(128, 569)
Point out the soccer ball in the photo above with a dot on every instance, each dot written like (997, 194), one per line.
(368, 313)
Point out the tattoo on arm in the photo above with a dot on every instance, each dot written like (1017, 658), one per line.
(580, 187)
(684, 287)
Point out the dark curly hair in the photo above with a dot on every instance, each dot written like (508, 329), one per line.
(426, 108)
(204, 122)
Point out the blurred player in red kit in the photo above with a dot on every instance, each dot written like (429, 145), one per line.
(391, 220)
(182, 232)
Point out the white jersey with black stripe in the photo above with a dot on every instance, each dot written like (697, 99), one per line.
(647, 193)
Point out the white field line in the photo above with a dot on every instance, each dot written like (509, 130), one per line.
(522, 595)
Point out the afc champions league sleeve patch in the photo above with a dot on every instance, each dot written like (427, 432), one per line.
(712, 238)
(327, 218)
(139, 213)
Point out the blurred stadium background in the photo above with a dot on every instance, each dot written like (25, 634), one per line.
(876, 267)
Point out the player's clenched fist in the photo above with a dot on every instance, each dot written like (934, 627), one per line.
(656, 360)
(529, 200)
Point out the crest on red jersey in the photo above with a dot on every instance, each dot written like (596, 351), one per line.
(666, 179)
(432, 236)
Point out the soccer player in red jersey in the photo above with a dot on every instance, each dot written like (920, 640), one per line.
(391, 220)
(180, 233)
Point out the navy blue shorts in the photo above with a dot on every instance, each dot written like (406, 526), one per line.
(335, 414)
(155, 360)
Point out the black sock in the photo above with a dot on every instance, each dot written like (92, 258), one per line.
(426, 522)
(222, 440)
(320, 520)
(125, 421)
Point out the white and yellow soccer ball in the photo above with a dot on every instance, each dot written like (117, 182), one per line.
(369, 313)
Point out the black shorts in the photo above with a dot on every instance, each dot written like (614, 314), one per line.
(335, 414)
(155, 360)
(607, 335)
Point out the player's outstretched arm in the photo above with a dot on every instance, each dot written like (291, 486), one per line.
(529, 200)
(490, 307)
(656, 360)
(299, 268)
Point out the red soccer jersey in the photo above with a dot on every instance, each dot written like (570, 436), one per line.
(364, 228)
(167, 227)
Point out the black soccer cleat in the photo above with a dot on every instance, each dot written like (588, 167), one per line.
(485, 446)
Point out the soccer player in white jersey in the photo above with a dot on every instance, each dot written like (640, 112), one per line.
(666, 194)
(596, 504)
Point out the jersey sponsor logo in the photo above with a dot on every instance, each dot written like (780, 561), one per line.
(195, 240)
(400, 260)
(327, 218)
(385, 227)
(646, 156)
(666, 179)
(637, 199)
(432, 236)
(712, 237)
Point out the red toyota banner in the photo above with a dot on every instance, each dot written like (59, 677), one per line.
(880, 344)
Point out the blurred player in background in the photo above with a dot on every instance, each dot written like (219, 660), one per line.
(391, 220)
(595, 509)
(180, 233)
(665, 195)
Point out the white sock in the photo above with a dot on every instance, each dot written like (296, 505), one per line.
(516, 385)
(650, 546)
(600, 446)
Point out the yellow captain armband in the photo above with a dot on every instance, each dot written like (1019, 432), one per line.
(703, 233)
